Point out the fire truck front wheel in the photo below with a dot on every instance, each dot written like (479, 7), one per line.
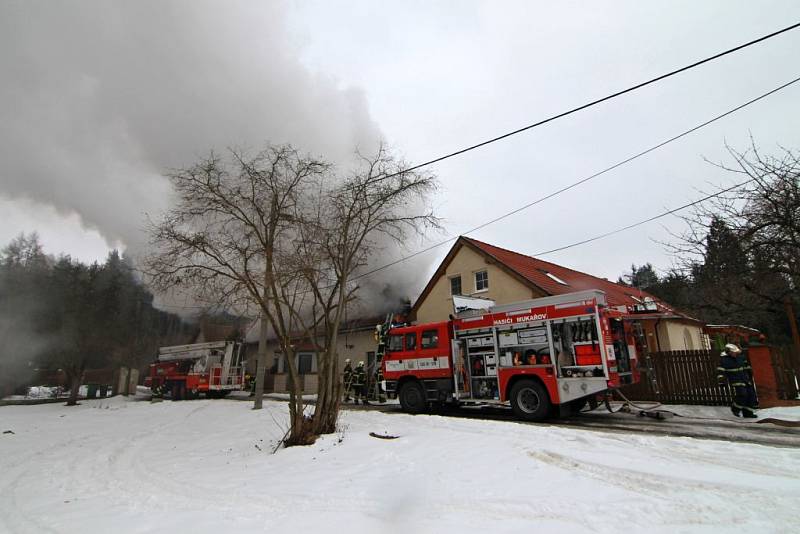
(530, 400)
(412, 397)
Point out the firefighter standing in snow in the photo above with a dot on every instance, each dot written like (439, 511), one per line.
(348, 379)
(359, 381)
(736, 371)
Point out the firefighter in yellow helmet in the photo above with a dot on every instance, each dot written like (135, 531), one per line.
(359, 382)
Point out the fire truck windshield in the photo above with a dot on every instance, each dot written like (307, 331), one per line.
(395, 343)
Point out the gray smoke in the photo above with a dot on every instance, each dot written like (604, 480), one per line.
(100, 98)
(22, 344)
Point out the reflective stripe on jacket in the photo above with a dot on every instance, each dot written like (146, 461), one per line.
(735, 369)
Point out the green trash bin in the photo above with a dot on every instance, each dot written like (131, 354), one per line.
(91, 391)
(103, 391)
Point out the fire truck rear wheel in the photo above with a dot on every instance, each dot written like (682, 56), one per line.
(412, 397)
(530, 400)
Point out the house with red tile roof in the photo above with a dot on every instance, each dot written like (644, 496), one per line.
(477, 269)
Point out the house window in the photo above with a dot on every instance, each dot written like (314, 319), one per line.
(481, 281)
(411, 341)
(455, 285)
(304, 363)
(430, 339)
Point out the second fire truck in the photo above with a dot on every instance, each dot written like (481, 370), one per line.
(186, 371)
(535, 355)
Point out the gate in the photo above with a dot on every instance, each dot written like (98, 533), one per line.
(681, 377)
(786, 362)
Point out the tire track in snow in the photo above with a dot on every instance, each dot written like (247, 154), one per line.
(15, 515)
(685, 490)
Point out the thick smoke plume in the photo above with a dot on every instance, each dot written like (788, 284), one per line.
(100, 98)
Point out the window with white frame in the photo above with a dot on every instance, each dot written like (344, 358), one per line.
(455, 285)
(481, 281)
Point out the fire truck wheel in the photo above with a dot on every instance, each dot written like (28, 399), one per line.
(412, 397)
(530, 400)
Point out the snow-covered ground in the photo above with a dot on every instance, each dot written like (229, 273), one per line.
(118, 465)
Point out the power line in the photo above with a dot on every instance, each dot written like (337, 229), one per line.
(645, 221)
(567, 188)
(595, 102)
(583, 180)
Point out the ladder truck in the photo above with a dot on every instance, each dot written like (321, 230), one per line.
(186, 371)
(542, 357)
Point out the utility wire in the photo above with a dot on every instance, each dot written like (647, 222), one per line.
(582, 181)
(645, 221)
(595, 102)
(567, 188)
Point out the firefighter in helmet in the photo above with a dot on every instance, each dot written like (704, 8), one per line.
(250, 383)
(348, 379)
(735, 370)
(359, 381)
(380, 396)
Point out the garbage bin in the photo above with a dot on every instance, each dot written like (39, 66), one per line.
(91, 391)
(103, 391)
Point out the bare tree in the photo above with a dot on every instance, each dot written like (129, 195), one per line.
(379, 201)
(744, 245)
(226, 238)
(280, 234)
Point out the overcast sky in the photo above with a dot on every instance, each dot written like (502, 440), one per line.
(98, 99)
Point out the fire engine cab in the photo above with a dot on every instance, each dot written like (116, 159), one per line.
(185, 371)
(535, 355)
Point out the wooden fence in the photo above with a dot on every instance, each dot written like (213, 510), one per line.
(786, 362)
(680, 377)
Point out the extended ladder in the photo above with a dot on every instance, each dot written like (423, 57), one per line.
(382, 337)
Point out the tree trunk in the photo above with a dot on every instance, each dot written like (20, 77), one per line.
(261, 364)
(300, 430)
(792, 323)
(326, 411)
(74, 387)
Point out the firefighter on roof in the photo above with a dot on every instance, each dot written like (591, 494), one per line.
(348, 379)
(736, 371)
(359, 381)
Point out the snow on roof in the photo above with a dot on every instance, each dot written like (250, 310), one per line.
(557, 279)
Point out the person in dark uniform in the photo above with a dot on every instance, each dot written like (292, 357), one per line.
(380, 395)
(359, 381)
(735, 370)
(348, 379)
(250, 383)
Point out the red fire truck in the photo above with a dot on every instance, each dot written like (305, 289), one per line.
(536, 355)
(185, 371)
